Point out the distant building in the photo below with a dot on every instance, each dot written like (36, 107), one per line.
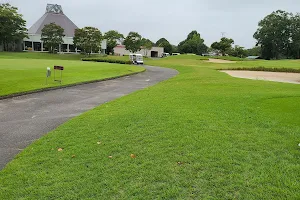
(155, 52)
(54, 13)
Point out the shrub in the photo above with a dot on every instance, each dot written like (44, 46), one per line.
(108, 60)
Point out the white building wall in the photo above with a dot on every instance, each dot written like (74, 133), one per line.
(121, 51)
(37, 38)
(67, 40)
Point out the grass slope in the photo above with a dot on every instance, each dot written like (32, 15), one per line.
(20, 75)
(200, 135)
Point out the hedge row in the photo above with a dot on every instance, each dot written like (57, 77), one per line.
(287, 70)
(108, 60)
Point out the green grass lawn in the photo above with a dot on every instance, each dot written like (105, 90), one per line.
(38, 55)
(200, 135)
(19, 75)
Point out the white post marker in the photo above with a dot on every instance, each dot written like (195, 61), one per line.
(48, 74)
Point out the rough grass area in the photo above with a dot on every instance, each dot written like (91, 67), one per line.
(200, 135)
(22, 75)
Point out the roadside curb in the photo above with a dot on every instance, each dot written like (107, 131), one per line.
(66, 86)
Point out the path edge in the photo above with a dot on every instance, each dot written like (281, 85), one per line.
(66, 86)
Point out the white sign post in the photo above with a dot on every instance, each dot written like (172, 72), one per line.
(48, 74)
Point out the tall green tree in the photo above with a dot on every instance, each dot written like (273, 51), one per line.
(12, 26)
(193, 44)
(52, 36)
(113, 37)
(133, 42)
(88, 39)
(163, 42)
(224, 46)
(295, 36)
(147, 45)
(274, 35)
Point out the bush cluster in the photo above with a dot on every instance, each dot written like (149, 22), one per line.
(108, 60)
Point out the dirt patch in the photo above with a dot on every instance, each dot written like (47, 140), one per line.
(266, 76)
(220, 61)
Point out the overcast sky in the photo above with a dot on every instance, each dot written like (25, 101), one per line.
(172, 19)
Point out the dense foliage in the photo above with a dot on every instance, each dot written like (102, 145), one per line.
(224, 46)
(133, 42)
(112, 37)
(88, 39)
(12, 27)
(255, 51)
(238, 51)
(52, 36)
(163, 42)
(278, 35)
(193, 44)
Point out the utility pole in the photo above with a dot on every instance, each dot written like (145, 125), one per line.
(223, 34)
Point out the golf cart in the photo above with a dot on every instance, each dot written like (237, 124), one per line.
(136, 59)
(164, 55)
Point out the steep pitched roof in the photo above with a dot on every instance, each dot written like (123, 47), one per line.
(54, 13)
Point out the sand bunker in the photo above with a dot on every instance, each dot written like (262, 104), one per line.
(220, 61)
(266, 76)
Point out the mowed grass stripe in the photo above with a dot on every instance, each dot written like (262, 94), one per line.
(200, 135)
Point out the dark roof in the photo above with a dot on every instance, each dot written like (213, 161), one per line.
(58, 17)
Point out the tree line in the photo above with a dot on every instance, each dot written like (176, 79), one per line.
(278, 36)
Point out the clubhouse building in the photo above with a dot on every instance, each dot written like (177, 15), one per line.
(154, 52)
(54, 14)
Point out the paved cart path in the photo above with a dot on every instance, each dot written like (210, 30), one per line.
(26, 118)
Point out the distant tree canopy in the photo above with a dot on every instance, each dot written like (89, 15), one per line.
(112, 40)
(133, 42)
(224, 46)
(12, 26)
(193, 44)
(174, 48)
(255, 51)
(163, 42)
(278, 35)
(88, 39)
(52, 36)
(147, 45)
(238, 51)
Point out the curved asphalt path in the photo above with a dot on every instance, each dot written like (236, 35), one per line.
(26, 118)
